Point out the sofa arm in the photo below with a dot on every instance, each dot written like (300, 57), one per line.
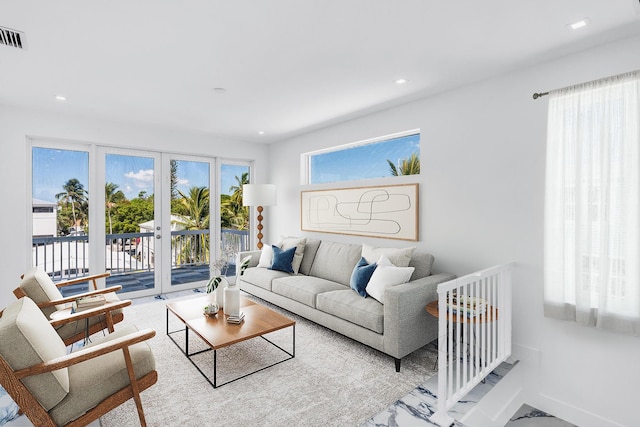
(407, 325)
(255, 257)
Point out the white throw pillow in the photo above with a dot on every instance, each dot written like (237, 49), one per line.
(266, 257)
(299, 243)
(400, 257)
(385, 276)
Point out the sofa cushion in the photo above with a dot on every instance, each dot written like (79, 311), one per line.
(266, 257)
(304, 289)
(386, 275)
(294, 242)
(27, 339)
(282, 259)
(96, 379)
(422, 262)
(334, 261)
(262, 277)
(349, 306)
(400, 257)
(310, 250)
(360, 276)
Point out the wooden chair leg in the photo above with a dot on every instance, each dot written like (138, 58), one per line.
(134, 386)
(109, 320)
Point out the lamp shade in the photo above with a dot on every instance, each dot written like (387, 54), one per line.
(258, 195)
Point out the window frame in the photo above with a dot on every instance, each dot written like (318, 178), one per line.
(305, 158)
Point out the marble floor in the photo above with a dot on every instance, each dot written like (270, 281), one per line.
(528, 416)
(416, 407)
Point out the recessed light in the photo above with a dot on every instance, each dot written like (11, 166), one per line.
(261, 132)
(579, 24)
(61, 98)
(400, 81)
(219, 90)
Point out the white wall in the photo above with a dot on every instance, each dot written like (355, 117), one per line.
(16, 124)
(481, 203)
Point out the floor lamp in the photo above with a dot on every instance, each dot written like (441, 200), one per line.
(259, 195)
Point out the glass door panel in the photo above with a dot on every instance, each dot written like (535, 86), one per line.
(132, 222)
(234, 218)
(190, 222)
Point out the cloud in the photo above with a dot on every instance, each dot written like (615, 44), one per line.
(182, 181)
(142, 178)
(142, 175)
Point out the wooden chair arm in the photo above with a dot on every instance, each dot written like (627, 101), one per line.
(90, 278)
(102, 309)
(86, 354)
(72, 298)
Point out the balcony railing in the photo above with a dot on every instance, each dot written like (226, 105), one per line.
(67, 257)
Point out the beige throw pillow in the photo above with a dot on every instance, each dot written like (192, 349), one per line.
(299, 244)
(400, 257)
(266, 256)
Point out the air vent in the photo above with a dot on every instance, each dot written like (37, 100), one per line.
(13, 38)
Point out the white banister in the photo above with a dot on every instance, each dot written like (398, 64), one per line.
(474, 333)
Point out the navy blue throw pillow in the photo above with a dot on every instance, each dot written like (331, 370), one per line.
(282, 259)
(361, 275)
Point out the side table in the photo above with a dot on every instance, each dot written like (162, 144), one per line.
(489, 316)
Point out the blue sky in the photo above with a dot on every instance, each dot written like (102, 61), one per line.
(52, 168)
(363, 161)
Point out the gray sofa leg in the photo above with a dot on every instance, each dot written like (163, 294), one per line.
(397, 364)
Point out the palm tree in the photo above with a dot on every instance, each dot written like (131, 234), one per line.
(73, 193)
(231, 210)
(410, 166)
(111, 199)
(196, 217)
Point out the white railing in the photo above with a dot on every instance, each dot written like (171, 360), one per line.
(474, 333)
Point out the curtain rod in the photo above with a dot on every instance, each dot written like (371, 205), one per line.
(537, 95)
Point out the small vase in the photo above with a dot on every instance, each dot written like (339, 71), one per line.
(220, 292)
(232, 300)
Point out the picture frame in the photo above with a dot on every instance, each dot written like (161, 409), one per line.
(384, 211)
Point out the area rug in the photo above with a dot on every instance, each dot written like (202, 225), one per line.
(332, 381)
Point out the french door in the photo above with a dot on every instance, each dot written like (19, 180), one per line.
(157, 209)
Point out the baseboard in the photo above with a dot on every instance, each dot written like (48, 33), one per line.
(570, 413)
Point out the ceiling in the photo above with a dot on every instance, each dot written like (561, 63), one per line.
(285, 66)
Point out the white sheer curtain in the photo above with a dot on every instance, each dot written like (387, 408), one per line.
(592, 210)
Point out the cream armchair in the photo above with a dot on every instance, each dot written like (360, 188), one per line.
(38, 286)
(57, 389)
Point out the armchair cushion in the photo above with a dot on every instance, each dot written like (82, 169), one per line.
(26, 339)
(96, 379)
(37, 285)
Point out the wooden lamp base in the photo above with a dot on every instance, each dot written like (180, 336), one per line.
(260, 218)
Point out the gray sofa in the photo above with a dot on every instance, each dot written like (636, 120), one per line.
(321, 293)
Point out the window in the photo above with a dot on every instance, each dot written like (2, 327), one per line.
(60, 211)
(592, 218)
(391, 155)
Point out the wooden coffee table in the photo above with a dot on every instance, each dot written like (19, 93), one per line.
(217, 333)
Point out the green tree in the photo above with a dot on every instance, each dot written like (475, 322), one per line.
(131, 213)
(232, 213)
(112, 198)
(73, 193)
(196, 217)
(410, 166)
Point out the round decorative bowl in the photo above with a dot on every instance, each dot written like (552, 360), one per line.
(210, 310)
